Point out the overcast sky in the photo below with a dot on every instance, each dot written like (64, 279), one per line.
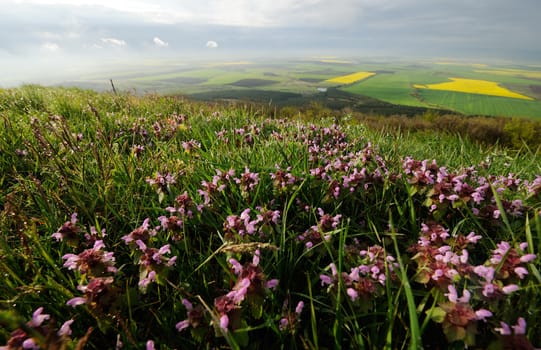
(37, 35)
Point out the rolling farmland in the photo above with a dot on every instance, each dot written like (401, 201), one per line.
(455, 86)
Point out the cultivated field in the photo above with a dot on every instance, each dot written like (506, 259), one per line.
(351, 78)
(473, 86)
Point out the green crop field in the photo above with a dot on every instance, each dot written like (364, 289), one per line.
(481, 104)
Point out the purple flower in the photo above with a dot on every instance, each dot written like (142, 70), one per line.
(69, 230)
(272, 284)
(190, 145)
(30, 344)
(150, 345)
(284, 323)
(488, 290)
(172, 261)
(300, 306)
(520, 327)
(504, 330)
(521, 272)
(151, 277)
(325, 280)
(224, 322)
(473, 238)
(453, 297)
(158, 256)
(352, 293)
(65, 328)
(510, 288)
(95, 260)
(528, 258)
(237, 267)
(73, 302)
(485, 272)
(482, 314)
(142, 233)
(182, 325)
(187, 304)
(38, 318)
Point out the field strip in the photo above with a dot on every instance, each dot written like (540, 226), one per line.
(513, 72)
(473, 86)
(351, 78)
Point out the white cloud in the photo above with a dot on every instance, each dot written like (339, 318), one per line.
(49, 46)
(159, 42)
(114, 42)
(212, 44)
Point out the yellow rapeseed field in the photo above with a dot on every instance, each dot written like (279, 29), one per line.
(473, 86)
(351, 78)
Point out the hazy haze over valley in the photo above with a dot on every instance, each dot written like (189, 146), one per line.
(52, 40)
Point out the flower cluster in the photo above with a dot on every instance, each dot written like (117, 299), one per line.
(96, 265)
(443, 261)
(444, 190)
(99, 294)
(94, 261)
(240, 225)
(143, 233)
(251, 285)
(151, 261)
(514, 337)
(39, 335)
(218, 184)
(291, 320)
(458, 318)
(283, 180)
(322, 231)
(69, 231)
(250, 288)
(499, 275)
(367, 280)
(191, 145)
(166, 128)
(247, 182)
(162, 183)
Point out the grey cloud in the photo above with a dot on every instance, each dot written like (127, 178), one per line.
(406, 27)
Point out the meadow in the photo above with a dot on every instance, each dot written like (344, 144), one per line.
(157, 222)
(391, 81)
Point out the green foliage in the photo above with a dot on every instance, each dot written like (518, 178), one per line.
(523, 132)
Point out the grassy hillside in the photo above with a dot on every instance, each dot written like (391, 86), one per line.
(160, 222)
